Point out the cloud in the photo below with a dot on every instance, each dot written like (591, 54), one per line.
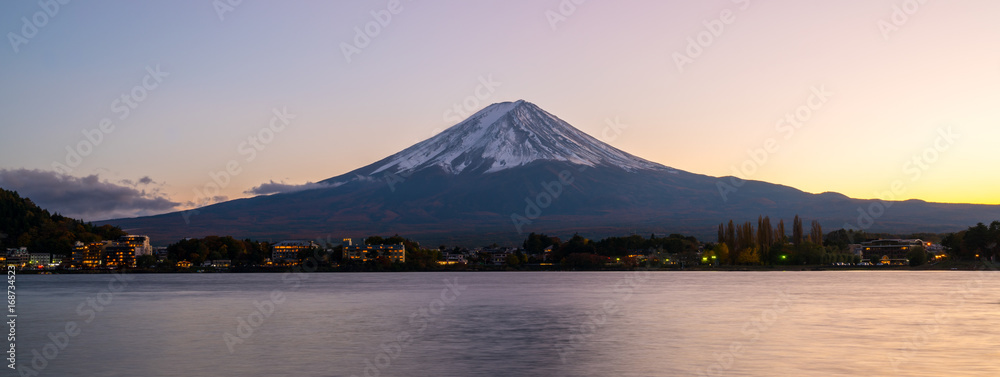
(273, 187)
(88, 198)
(210, 201)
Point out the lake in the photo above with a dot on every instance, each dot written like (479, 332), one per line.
(824, 323)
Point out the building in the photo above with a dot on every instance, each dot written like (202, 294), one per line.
(139, 244)
(364, 253)
(888, 251)
(160, 252)
(18, 257)
(119, 255)
(498, 257)
(89, 255)
(452, 258)
(39, 259)
(287, 252)
(220, 263)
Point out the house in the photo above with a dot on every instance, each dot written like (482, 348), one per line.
(452, 258)
(90, 255)
(287, 252)
(39, 259)
(889, 251)
(364, 253)
(18, 257)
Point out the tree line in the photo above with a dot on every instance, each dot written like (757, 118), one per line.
(743, 244)
(979, 241)
(25, 224)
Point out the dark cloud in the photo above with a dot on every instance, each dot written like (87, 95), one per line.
(205, 202)
(88, 198)
(273, 187)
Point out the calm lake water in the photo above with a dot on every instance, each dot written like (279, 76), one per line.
(843, 323)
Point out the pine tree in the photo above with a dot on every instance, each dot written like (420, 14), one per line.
(816, 235)
(797, 231)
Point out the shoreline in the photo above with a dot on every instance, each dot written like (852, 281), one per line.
(940, 266)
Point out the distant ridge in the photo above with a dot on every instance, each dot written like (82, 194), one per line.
(513, 168)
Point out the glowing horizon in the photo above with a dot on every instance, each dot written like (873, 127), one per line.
(845, 95)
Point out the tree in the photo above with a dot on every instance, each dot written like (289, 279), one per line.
(750, 255)
(816, 234)
(955, 242)
(722, 252)
(513, 260)
(779, 233)
(797, 231)
(917, 256)
(145, 261)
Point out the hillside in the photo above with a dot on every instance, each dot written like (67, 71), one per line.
(22, 223)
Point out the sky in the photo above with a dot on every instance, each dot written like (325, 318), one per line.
(122, 108)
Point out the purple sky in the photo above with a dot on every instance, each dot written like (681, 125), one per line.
(911, 95)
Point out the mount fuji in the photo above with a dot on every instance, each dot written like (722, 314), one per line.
(513, 168)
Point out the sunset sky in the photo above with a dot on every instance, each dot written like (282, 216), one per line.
(910, 92)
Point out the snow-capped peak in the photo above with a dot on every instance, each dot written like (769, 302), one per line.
(506, 135)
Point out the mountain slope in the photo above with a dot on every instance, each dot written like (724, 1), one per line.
(503, 136)
(23, 223)
(513, 168)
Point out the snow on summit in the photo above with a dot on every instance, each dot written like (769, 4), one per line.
(507, 135)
